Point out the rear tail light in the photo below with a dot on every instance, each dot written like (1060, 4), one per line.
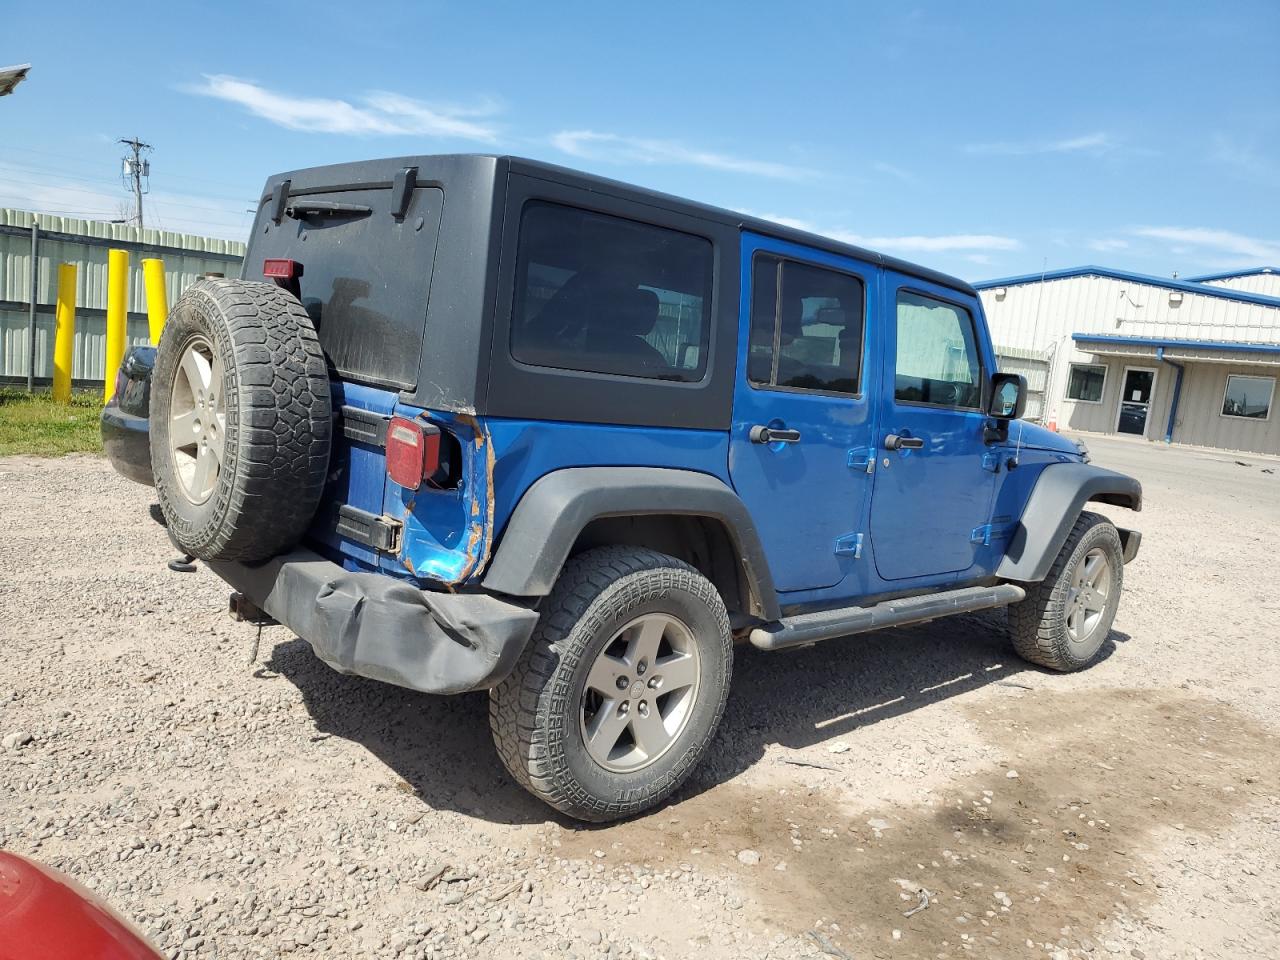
(413, 451)
(281, 269)
(287, 274)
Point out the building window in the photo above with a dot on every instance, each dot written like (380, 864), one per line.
(1248, 397)
(1086, 382)
(606, 295)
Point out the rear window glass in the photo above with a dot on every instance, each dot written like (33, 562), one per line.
(603, 294)
(365, 279)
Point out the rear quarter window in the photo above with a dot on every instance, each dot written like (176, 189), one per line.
(602, 294)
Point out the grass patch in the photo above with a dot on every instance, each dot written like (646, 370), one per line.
(34, 424)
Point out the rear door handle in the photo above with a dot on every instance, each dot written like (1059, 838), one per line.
(764, 434)
(895, 442)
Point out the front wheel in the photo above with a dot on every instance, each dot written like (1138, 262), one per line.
(622, 686)
(1065, 618)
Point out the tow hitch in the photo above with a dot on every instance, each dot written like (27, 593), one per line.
(244, 610)
(183, 564)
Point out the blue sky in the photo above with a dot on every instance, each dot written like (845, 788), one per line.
(983, 139)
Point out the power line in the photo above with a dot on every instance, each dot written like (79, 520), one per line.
(54, 174)
(231, 206)
(172, 176)
(135, 169)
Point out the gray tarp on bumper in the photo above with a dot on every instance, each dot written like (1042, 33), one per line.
(384, 628)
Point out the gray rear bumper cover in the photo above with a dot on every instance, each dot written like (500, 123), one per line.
(380, 627)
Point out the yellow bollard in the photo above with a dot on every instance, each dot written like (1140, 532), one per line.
(157, 301)
(117, 302)
(64, 332)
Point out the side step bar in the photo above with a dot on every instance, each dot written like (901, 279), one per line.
(828, 624)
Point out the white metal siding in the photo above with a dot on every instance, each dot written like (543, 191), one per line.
(181, 270)
(1200, 420)
(1267, 284)
(1041, 318)
(1032, 366)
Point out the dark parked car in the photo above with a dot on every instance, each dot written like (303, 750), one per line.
(480, 423)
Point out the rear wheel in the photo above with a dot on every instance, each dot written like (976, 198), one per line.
(621, 688)
(1065, 618)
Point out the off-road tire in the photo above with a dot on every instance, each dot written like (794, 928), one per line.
(278, 420)
(1038, 624)
(534, 714)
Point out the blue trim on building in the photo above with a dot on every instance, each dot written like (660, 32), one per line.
(1165, 343)
(1233, 274)
(1177, 393)
(1187, 286)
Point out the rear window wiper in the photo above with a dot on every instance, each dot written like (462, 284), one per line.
(326, 208)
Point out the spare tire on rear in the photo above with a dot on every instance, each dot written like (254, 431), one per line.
(240, 420)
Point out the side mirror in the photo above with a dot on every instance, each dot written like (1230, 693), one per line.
(1008, 396)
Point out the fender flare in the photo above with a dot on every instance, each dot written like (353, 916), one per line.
(554, 510)
(1060, 493)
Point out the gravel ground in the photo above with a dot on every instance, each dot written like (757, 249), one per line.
(272, 808)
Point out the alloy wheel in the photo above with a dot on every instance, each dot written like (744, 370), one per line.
(639, 693)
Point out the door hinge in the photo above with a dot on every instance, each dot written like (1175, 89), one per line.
(849, 545)
(380, 533)
(981, 535)
(863, 458)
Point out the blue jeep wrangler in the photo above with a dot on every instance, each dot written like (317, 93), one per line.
(481, 423)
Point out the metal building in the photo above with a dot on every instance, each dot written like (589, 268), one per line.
(31, 247)
(1190, 361)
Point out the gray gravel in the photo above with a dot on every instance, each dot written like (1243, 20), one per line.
(237, 810)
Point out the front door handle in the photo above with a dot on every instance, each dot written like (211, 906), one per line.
(895, 442)
(765, 434)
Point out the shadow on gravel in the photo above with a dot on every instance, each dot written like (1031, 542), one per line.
(440, 746)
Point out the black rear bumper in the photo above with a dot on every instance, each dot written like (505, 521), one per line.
(378, 626)
(126, 423)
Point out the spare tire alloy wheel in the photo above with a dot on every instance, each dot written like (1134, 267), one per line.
(198, 420)
(241, 418)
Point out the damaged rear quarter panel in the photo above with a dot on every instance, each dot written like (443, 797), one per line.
(447, 532)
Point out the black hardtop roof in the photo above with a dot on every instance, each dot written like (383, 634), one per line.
(368, 173)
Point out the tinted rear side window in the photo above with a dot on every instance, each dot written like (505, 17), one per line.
(806, 327)
(603, 294)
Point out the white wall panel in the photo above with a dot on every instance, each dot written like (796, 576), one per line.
(186, 258)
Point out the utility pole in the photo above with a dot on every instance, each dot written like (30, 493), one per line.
(135, 168)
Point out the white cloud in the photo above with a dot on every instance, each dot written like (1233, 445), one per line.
(616, 148)
(1092, 143)
(975, 243)
(888, 168)
(385, 114)
(1108, 244)
(945, 243)
(1212, 239)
